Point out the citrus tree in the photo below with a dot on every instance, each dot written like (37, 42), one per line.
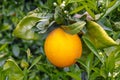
(60, 40)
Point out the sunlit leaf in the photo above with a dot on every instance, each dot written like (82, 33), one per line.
(77, 9)
(23, 29)
(111, 3)
(3, 46)
(74, 1)
(75, 27)
(42, 69)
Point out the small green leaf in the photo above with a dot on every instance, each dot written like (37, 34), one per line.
(3, 46)
(24, 64)
(77, 9)
(13, 71)
(23, 29)
(35, 61)
(75, 27)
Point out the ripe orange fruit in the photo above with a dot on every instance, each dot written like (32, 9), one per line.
(62, 49)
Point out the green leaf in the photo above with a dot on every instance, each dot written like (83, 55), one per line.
(100, 39)
(89, 64)
(90, 12)
(109, 10)
(2, 75)
(12, 70)
(110, 63)
(58, 16)
(74, 75)
(91, 47)
(23, 29)
(4, 27)
(112, 3)
(3, 46)
(75, 27)
(82, 63)
(59, 1)
(74, 1)
(92, 4)
(95, 74)
(42, 68)
(77, 9)
(35, 61)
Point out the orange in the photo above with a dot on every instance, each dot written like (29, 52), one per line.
(62, 49)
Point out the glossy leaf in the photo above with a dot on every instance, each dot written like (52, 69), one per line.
(75, 27)
(12, 70)
(100, 39)
(23, 29)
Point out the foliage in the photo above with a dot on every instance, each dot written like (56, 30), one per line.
(24, 59)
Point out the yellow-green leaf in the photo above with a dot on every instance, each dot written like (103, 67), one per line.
(77, 10)
(98, 36)
(23, 29)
